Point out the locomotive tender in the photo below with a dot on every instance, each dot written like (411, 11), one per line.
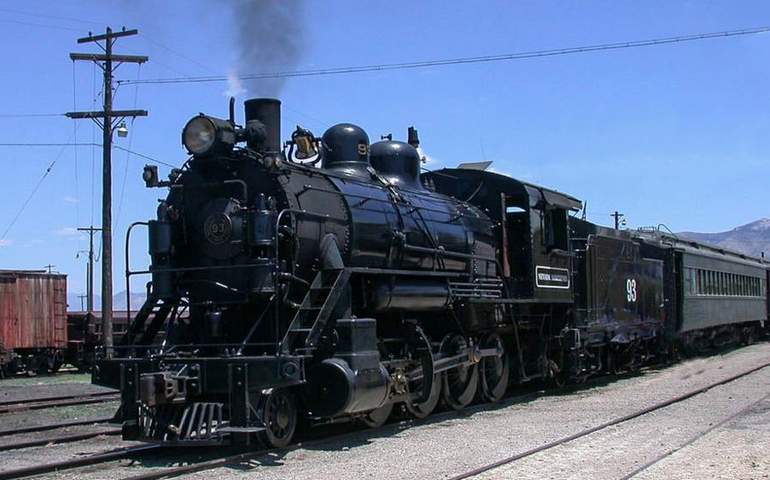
(326, 280)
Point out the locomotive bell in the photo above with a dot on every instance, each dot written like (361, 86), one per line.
(346, 147)
(305, 142)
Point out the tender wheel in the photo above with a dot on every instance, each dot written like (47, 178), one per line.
(495, 370)
(55, 361)
(278, 410)
(748, 337)
(557, 378)
(460, 383)
(377, 417)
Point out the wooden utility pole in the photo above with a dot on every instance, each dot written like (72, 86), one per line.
(90, 275)
(618, 216)
(107, 118)
(82, 297)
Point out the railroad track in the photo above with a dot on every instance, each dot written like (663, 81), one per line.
(52, 426)
(696, 437)
(254, 455)
(51, 402)
(61, 397)
(623, 419)
(95, 459)
(56, 440)
(239, 458)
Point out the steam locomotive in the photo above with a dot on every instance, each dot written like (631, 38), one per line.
(326, 279)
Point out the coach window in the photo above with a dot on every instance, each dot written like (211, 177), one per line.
(690, 280)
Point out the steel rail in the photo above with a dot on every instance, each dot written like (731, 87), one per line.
(238, 458)
(77, 462)
(26, 406)
(54, 440)
(51, 399)
(616, 421)
(53, 426)
(696, 437)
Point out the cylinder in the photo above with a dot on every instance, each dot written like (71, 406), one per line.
(268, 112)
(334, 388)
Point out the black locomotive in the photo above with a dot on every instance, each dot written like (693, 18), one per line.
(326, 279)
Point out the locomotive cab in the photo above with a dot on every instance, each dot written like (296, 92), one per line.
(531, 225)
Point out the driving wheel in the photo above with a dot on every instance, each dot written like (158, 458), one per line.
(494, 370)
(460, 383)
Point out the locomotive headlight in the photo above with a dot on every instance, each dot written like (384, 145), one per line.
(204, 135)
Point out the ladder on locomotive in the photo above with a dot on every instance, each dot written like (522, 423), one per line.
(320, 301)
(147, 322)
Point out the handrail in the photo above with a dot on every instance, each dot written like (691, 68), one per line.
(128, 266)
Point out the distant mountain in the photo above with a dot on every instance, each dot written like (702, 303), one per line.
(74, 302)
(751, 239)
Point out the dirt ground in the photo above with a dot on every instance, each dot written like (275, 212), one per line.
(688, 440)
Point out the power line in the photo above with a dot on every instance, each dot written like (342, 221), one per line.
(128, 152)
(68, 144)
(88, 144)
(54, 17)
(461, 60)
(24, 115)
(32, 194)
(75, 151)
(32, 24)
(146, 157)
(179, 54)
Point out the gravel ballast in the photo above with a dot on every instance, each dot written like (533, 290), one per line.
(450, 443)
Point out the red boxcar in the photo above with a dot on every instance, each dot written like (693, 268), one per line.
(33, 320)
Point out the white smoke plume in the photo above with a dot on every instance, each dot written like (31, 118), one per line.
(234, 85)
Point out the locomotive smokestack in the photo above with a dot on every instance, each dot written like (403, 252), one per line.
(268, 112)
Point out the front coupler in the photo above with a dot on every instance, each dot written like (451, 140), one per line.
(197, 400)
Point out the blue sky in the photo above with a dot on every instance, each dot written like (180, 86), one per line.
(674, 134)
